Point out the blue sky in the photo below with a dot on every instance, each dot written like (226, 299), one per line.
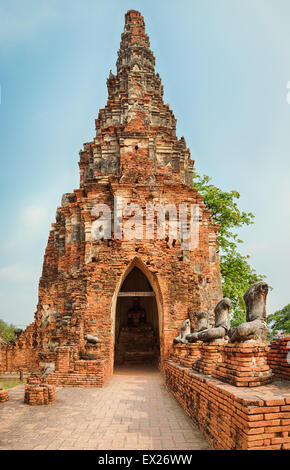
(224, 65)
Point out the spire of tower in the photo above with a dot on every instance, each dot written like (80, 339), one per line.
(136, 131)
(135, 45)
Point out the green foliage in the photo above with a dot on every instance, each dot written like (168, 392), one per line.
(237, 274)
(7, 331)
(279, 322)
(224, 210)
(237, 277)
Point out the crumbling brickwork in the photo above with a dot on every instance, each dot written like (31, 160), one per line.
(71, 372)
(279, 356)
(21, 353)
(37, 392)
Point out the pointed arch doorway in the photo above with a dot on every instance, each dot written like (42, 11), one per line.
(137, 328)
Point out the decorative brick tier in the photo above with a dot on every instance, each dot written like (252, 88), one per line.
(210, 357)
(244, 365)
(279, 357)
(193, 354)
(186, 354)
(180, 352)
(39, 394)
(4, 396)
(233, 418)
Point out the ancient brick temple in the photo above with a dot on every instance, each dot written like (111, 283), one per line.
(131, 276)
(132, 293)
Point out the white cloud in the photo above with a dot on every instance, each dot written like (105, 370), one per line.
(17, 273)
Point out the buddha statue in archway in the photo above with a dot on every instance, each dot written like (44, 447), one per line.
(136, 314)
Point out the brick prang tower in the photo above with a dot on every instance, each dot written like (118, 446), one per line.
(135, 156)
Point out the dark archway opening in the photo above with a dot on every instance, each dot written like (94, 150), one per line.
(137, 324)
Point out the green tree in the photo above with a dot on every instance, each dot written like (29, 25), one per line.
(237, 274)
(7, 331)
(237, 277)
(279, 322)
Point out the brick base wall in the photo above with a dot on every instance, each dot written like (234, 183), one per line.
(244, 365)
(233, 418)
(4, 396)
(82, 374)
(279, 357)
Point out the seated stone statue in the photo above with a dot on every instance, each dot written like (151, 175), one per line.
(137, 340)
(201, 325)
(136, 314)
(255, 328)
(184, 331)
(222, 323)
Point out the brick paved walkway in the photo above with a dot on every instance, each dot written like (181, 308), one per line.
(133, 411)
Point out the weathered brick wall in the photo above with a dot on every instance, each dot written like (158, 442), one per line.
(242, 365)
(83, 374)
(2, 356)
(230, 417)
(78, 373)
(279, 357)
(82, 302)
(21, 354)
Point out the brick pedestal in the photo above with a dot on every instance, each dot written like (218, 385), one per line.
(38, 393)
(193, 354)
(279, 357)
(179, 352)
(244, 365)
(210, 357)
(4, 396)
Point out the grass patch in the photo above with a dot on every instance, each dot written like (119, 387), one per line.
(10, 383)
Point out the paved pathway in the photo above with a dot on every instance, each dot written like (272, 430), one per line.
(133, 411)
